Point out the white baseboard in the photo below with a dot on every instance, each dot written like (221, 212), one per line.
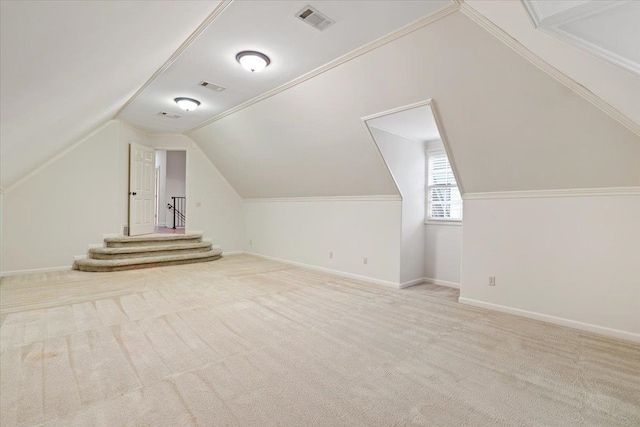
(615, 333)
(411, 283)
(34, 271)
(328, 270)
(439, 282)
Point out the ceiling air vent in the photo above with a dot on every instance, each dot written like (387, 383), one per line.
(314, 18)
(212, 86)
(168, 115)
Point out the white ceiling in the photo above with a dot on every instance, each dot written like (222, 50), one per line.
(615, 85)
(502, 116)
(67, 67)
(417, 124)
(294, 47)
(609, 29)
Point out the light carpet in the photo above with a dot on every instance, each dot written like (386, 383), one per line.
(249, 342)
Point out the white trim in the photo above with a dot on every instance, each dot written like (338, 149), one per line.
(328, 270)
(35, 270)
(552, 25)
(422, 22)
(382, 198)
(616, 333)
(55, 158)
(203, 26)
(443, 222)
(575, 192)
(410, 283)
(503, 36)
(398, 110)
(383, 159)
(439, 282)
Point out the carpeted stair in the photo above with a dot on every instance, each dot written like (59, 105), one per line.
(152, 250)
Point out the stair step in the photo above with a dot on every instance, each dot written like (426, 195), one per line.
(102, 265)
(151, 240)
(148, 251)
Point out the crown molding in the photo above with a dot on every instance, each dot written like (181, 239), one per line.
(381, 198)
(575, 192)
(504, 37)
(184, 46)
(416, 25)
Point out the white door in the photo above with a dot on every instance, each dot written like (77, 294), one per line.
(142, 166)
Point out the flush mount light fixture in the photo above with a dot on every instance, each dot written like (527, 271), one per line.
(253, 61)
(187, 104)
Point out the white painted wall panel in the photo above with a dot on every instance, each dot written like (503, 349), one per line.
(443, 252)
(305, 232)
(576, 258)
(406, 160)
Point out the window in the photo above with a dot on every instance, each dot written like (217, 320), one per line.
(443, 197)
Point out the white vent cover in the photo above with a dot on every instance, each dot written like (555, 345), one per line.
(314, 18)
(212, 86)
(168, 115)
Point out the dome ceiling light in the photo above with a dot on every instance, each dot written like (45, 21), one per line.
(253, 61)
(187, 104)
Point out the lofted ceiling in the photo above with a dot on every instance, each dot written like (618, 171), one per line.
(417, 124)
(509, 125)
(614, 84)
(67, 67)
(270, 27)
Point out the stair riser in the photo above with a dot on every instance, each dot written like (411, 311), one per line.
(148, 254)
(151, 243)
(148, 265)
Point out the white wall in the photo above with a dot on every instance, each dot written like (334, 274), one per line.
(161, 165)
(555, 258)
(443, 250)
(406, 161)
(70, 203)
(81, 195)
(306, 231)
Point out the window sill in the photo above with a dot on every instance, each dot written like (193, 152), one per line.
(442, 222)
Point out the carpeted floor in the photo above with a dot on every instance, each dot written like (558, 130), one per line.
(247, 342)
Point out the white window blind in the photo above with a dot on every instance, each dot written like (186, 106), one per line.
(443, 196)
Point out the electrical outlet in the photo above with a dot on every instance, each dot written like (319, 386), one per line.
(365, 260)
(331, 255)
(492, 280)
(198, 204)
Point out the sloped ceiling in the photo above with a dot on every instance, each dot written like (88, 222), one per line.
(67, 67)
(295, 48)
(509, 125)
(617, 86)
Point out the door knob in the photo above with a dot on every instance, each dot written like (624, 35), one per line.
(132, 193)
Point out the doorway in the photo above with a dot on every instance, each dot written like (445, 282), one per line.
(170, 194)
